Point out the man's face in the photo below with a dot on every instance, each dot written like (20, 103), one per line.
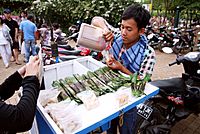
(130, 32)
(7, 15)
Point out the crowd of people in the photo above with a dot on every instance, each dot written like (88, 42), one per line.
(13, 33)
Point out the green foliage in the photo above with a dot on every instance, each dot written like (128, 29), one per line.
(138, 85)
(67, 12)
(164, 6)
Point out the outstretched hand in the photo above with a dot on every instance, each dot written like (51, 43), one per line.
(32, 67)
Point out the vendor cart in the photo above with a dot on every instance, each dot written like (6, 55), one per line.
(97, 118)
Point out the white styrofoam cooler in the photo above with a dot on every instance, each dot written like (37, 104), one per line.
(98, 117)
(102, 115)
(64, 69)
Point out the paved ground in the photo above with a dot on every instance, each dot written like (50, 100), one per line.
(191, 125)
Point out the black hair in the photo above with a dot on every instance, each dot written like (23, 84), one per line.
(56, 25)
(25, 12)
(30, 17)
(44, 25)
(1, 21)
(138, 13)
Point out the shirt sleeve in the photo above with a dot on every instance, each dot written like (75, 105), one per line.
(148, 63)
(18, 118)
(10, 85)
(16, 24)
(21, 26)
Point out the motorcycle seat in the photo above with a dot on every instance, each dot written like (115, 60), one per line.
(171, 85)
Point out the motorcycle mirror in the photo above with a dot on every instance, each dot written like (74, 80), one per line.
(167, 50)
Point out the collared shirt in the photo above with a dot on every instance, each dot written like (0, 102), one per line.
(148, 60)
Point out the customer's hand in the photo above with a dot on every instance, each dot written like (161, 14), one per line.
(22, 71)
(32, 67)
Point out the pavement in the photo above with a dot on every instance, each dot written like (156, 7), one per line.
(190, 125)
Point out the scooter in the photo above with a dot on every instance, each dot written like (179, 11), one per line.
(177, 99)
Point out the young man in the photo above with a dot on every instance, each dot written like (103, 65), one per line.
(13, 25)
(130, 54)
(29, 31)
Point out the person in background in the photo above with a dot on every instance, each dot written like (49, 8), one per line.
(13, 25)
(5, 43)
(56, 29)
(129, 53)
(23, 15)
(19, 117)
(28, 29)
(45, 34)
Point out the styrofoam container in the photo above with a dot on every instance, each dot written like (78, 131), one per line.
(68, 68)
(100, 116)
(90, 63)
(62, 70)
(92, 119)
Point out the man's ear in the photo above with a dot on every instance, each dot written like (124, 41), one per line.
(141, 31)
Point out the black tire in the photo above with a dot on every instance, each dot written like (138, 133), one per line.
(160, 46)
(157, 118)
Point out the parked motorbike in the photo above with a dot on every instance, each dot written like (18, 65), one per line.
(177, 98)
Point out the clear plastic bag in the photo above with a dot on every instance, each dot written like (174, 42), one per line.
(89, 99)
(123, 96)
(48, 96)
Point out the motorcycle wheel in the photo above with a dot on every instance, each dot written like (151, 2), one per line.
(176, 49)
(154, 124)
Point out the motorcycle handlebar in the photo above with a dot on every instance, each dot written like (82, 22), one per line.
(175, 62)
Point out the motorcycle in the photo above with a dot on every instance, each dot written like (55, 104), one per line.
(177, 98)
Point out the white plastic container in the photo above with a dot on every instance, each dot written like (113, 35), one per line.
(91, 37)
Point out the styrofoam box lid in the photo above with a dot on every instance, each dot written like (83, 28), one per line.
(68, 68)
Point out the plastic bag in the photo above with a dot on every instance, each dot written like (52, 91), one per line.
(89, 99)
(123, 96)
(48, 96)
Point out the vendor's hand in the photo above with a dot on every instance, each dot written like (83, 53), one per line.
(32, 67)
(108, 36)
(113, 64)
